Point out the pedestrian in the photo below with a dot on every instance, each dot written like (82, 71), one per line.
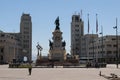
(30, 69)
(100, 73)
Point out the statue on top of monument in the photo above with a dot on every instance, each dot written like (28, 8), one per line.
(57, 23)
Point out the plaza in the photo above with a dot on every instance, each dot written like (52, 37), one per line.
(57, 73)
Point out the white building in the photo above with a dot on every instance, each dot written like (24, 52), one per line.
(86, 40)
(107, 53)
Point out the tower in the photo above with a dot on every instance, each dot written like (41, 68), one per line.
(26, 36)
(77, 31)
(57, 47)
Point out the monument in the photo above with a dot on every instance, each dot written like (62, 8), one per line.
(57, 46)
(57, 52)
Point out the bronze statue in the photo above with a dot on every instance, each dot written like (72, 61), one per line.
(63, 44)
(51, 45)
(57, 23)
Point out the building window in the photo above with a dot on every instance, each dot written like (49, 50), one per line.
(77, 30)
(76, 48)
(26, 41)
(2, 50)
(26, 32)
(114, 45)
(108, 45)
(76, 34)
(114, 52)
(26, 28)
(109, 52)
(76, 18)
(113, 39)
(76, 39)
(12, 37)
(26, 46)
(76, 25)
(2, 35)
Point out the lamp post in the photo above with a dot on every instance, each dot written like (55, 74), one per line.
(117, 54)
(39, 49)
(93, 49)
(102, 56)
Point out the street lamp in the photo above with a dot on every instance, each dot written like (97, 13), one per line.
(102, 57)
(93, 48)
(117, 54)
(39, 49)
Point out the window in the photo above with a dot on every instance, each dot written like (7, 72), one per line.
(26, 46)
(115, 52)
(109, 52)
(12, 37)
(76, 39)
(114, 45)
(113, 39)
(108, 45)
(77, 30)
(27, 28)
(2, 35)
(76, 25)
(26, 41)
(76, 18)
(2, 50)
(26, 32)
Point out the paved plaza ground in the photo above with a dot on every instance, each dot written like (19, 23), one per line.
(56, 73)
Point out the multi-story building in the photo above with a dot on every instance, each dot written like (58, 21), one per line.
(10, 47)
(17, 46)
(26, 36)
(77, 31)
(86, 40)
(105, 49)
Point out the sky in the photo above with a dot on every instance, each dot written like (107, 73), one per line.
(44, 13)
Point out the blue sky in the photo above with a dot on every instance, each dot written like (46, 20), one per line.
(44, 13)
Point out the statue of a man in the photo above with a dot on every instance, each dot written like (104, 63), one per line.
(57, 23)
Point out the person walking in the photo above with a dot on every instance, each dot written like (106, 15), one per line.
(30, 69)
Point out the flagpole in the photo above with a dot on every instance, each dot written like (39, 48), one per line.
(88, 41)
(102, 43)
(96, 24)
(96, 54)
(93, 48)
(88, 24)
(117, 53)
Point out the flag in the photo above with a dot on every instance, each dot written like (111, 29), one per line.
(96, 24)
(88, 23)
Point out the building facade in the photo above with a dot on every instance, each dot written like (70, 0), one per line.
(26, 36)
(77, 31)
(105, 49)
(17, 46)
(86, 40)
(10, 47)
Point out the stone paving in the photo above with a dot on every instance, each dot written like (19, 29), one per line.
(57, 73)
